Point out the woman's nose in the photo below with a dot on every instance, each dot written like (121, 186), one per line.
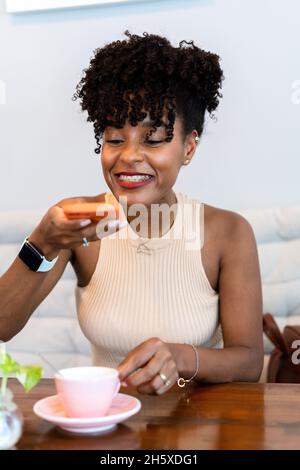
(131, 153)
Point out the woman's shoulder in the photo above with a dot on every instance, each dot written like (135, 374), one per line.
(224, 219)
(230, 228)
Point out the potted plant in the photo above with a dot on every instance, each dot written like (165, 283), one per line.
(11, 418)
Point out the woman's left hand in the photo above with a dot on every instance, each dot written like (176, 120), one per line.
(144, 364)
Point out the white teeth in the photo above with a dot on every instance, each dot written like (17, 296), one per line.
(134, 178)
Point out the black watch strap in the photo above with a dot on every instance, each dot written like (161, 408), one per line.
(35, 260)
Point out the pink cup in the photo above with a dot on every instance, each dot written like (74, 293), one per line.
(87, 392)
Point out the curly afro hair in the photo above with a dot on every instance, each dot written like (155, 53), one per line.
(146, 74)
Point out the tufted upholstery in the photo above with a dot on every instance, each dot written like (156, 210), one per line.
(54, 331)
(277, 233)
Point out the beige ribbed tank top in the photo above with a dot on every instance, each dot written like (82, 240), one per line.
(150, 287)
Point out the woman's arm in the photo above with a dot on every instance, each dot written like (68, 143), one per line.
(240, 299)
(22, 291)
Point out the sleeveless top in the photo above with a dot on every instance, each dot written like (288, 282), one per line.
(150, 287)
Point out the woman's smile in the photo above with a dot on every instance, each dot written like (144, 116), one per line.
(133, 181)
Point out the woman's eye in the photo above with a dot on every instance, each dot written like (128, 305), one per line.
(114, 141)
(153, 142)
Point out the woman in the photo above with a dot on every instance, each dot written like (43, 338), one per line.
(151, 306)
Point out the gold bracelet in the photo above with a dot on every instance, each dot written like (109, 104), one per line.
(181, 381)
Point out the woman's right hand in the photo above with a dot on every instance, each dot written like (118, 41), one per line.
(56, 232)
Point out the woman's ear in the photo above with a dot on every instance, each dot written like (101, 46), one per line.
(190, 146)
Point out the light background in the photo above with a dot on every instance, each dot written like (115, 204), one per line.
(249, 158)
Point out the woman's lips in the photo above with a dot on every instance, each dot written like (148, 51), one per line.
(133, 184)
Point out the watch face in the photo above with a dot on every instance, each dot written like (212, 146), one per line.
(30, 257)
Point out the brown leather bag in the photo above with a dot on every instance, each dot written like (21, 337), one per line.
(281, 367)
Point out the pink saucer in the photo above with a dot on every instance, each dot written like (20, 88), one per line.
(122, 407)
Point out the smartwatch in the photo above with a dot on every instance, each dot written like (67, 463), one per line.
(35, 260)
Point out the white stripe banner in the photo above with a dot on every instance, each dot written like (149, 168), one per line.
(15, 6)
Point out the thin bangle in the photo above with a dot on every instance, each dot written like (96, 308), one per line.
(181, 382)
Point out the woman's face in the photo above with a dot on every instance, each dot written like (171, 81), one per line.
(130, 150)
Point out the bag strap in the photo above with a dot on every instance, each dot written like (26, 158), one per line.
(274, 334)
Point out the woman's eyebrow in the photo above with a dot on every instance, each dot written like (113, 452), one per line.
(150, 124)
(146, 124)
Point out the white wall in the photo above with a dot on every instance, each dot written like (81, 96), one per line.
(249, 158)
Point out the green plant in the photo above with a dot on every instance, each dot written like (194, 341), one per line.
(28, 375)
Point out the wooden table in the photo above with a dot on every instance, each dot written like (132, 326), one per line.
(226, 416)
